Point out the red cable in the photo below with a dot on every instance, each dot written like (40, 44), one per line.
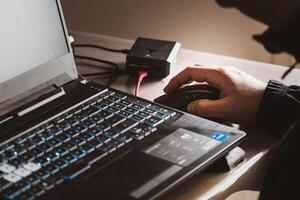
(141, 76)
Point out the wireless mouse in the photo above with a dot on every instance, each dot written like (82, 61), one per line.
(184, 96)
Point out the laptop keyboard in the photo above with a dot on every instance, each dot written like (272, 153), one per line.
(44, 157)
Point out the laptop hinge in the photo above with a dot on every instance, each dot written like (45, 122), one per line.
(57, 93)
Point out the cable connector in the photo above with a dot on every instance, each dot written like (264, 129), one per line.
(140, 78)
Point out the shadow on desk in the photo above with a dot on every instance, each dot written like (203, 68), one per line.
(217, 185)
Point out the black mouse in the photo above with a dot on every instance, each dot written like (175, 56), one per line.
(184, 96)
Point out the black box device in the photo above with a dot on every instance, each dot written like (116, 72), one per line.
(151, 55)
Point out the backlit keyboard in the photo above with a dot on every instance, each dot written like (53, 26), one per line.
(43, 157)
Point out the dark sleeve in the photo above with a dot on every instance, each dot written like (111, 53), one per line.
(279, 108)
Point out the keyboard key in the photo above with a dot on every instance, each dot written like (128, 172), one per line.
(103, 138)
(163, 110)
(71, 133)
(87, 136)
(137, 107)
(116, 143)
(70, 146)
(56, 179)
(103, 126)
(92, 110)
(78, 141)
(13, 178)
(6, 168)
(64, 125)
(119, 95)
(4, 183)
(36, 152)
(20, 150)
(113, 98)
(87, 148)
(63, 137)
(54, 130)
(150, 111)
(124, 138)
(61, 151)
(114, 120)
(25, 196)
(95, 143)
(28, 145)
(79, 153)
(27, 157)
(79, 128)
(126, 125)
(61, 163)
(51, 168)
(52, 155)
(101, 105)
(162, 115)
(32, 166)
(108, 148)
(125, 114)
(42, 174)
(154, 121)
(9, 145)
(97, 118)
(137, 136)
(43, 160)
(33, 179)
(125, 102)
(19, 140)
(80, 116)
(36, 191)
(46, 135)
(113, 110)
(119, 106)
(54, 142)
(145, 115)
(22, 185)
(95, 131)
(111, 133)
(37, 140)
(11, 192)
(107, 102)
(137, 118)
(10, 154)
(131, 110)
(15, 162)
(88, 123)
(105, 114)
(138, 102)
(45, 147)
(73, 120)
(70, 158)
(22, 172)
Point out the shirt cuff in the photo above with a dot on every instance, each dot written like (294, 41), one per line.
(276, 110)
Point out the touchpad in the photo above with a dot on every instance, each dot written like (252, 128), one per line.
(182, 147)
(134, 174)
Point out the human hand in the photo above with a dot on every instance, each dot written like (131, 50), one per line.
(240, 93)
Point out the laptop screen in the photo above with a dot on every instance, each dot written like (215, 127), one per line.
(32, 35)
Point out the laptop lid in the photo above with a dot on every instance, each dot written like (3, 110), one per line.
(35, 52)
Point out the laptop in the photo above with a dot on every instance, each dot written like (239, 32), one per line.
(83, 140)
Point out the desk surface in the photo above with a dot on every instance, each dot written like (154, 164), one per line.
(208, 184)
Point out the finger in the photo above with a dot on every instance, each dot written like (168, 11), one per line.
(200, 74)
(211, 108)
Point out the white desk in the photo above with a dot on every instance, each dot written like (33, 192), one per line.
(208, 184)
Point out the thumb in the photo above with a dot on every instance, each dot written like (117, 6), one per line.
(210, 108)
